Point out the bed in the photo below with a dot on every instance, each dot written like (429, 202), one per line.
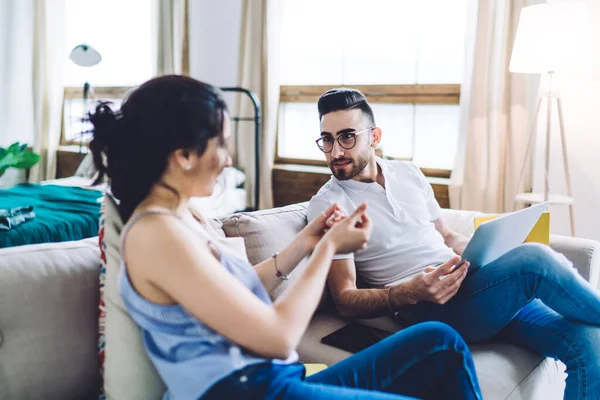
(61, 214)
(69, 208)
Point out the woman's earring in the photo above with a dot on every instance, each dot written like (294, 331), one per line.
(187, 167)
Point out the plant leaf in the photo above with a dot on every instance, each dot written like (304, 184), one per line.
(23, 148)
(13, 147)
(7, 161)
(26, 160)
(2, 152)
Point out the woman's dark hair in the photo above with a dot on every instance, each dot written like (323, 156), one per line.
(132, 146)
(344, 99)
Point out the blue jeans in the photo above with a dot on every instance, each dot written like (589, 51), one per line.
(532, 297)
(428, 360)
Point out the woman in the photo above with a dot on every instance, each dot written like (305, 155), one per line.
(208, 323)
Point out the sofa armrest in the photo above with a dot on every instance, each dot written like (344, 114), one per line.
(583, 253)
(49, 321)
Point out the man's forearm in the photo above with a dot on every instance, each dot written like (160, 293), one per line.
(371, 303)
(458, 242)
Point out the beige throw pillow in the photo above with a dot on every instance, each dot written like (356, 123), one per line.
(128, 372)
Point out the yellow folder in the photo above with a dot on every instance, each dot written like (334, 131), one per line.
(314, 368)
(539, 234)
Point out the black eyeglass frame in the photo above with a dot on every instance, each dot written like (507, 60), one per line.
(355, 134)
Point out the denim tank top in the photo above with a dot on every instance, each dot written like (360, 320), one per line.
(188, 355)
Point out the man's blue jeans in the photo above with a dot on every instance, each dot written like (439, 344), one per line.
(428, 360)
(532, 297)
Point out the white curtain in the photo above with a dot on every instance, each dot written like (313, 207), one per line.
(496, 111)
(259, 72)
(16, 69)
(49, 55)
(171, 37)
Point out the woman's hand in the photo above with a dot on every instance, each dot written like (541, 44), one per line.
(350, 233)
(314, 231)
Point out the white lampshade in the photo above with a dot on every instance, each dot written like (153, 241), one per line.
(553, 38)
(85, 55)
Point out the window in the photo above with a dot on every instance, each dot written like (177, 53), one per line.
(121, 31)
(405, 55)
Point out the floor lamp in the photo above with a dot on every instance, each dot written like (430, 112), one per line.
(551, 38)
(85, 56)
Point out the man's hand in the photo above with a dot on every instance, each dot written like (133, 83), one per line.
(314, 231)
(435, 284)
(337, 216)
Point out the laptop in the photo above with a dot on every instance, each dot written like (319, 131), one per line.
(498, 236)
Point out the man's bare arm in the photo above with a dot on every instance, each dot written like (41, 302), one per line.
(435, 285)
(352, 302)
(456, 241)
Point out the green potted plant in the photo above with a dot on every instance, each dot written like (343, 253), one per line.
(17, 156)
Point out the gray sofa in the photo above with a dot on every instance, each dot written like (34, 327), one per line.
(49, 307)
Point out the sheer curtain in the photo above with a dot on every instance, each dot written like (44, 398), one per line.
(16, 69)
(259, 72)
(171, 35)
(49, 56)
(496, 110)
(32, 45)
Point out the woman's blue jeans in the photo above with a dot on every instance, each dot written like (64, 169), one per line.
(532, 297)
(428, 360)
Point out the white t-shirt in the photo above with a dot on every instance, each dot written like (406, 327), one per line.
(404, 239)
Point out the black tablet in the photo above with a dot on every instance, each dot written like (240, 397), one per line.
(355, 337)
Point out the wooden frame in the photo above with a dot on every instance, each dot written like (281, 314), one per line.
(106, 92)
(76, 93)
(385, 94)
(389, 94)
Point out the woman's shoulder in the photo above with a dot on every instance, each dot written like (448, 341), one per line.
(155, 230)
(151, 220)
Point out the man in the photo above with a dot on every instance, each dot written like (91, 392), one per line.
(531, 296)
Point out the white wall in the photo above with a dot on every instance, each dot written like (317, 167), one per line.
(581, 103)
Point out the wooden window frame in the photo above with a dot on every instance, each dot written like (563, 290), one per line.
(384, 94)
(98, 93)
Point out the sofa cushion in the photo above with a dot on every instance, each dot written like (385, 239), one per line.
(504, 371)
(269, 231)
(48, 321)
(266, 232)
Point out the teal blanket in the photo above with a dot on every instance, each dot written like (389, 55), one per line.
(61, 214)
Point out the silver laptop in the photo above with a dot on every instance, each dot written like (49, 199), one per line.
(496, 237)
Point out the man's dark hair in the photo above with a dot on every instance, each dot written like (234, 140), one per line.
(344, 99)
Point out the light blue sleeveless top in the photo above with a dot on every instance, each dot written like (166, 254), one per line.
(188, 355)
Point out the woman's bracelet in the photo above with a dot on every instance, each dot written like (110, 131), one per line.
(278, 273)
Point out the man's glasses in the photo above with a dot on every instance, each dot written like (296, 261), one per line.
(346, 141)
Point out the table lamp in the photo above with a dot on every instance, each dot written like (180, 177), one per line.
(551, 38)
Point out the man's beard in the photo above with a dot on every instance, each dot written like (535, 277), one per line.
(357, 166)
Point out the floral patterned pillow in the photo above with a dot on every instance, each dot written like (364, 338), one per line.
(101, 307)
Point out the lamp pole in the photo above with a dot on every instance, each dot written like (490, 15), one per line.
(86, 94)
